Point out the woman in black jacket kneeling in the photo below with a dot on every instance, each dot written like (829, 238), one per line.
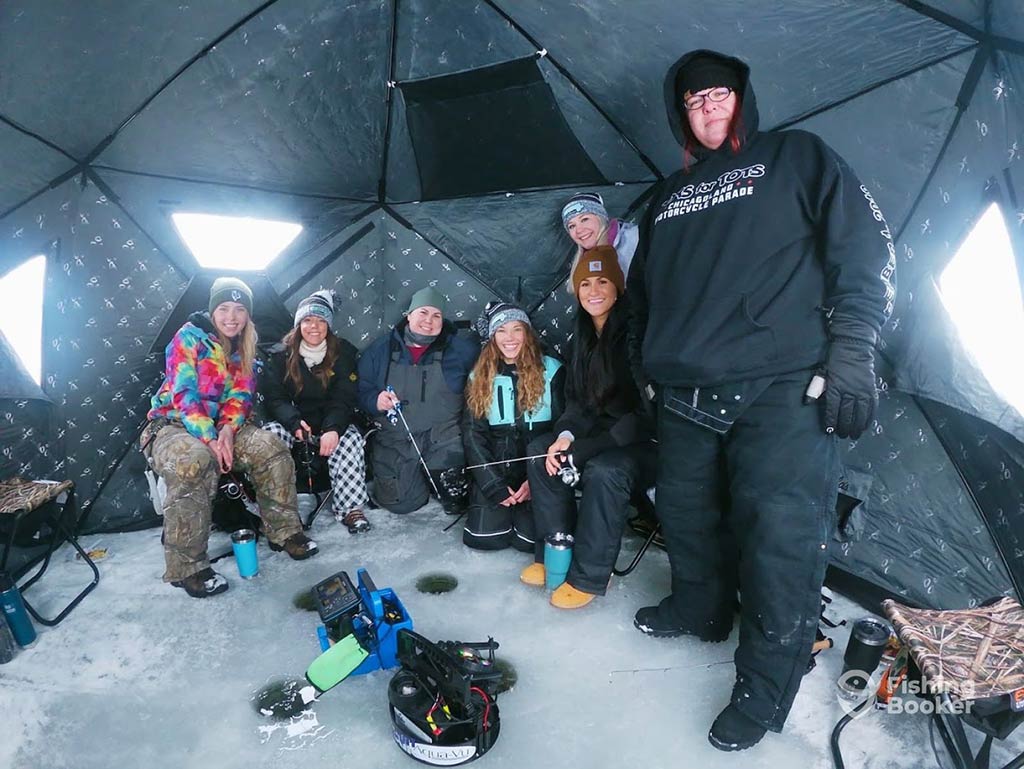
(604, 429)
(310, 390)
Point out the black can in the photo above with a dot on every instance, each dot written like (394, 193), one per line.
(863, 652)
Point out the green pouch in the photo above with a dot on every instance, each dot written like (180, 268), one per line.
(336, 664)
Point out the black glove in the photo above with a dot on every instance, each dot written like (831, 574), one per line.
(850, 394)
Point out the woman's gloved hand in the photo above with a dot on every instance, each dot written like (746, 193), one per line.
(850, 393)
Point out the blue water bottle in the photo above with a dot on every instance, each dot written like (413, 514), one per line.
(14, 612)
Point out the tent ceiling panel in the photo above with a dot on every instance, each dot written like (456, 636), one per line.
(74, 71)
(105, 302)
(292, 101)
(803, 55)
(1007, 19)
(894, 160)
(438, 39)
(152, 200)
(968, 11)
(610, 151)
(26, 165)
(512, 235)
(441, 38)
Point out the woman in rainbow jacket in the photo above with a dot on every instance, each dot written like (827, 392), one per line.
(199, 428)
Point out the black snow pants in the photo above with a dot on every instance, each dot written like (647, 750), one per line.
(770, 480)
(608, 481)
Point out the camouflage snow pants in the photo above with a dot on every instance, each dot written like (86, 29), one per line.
(191, 474)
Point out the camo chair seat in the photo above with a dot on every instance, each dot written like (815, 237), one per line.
(972, 661)
(40, 514)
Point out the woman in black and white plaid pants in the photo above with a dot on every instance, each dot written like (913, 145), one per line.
(309, 389)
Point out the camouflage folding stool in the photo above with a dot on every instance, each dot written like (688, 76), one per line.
(41, 514)
(972, 661)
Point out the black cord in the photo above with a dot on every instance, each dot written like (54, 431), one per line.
(837, 754)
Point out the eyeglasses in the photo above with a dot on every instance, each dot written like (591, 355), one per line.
(715, 94)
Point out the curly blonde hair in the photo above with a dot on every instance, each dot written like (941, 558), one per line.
(530, 370)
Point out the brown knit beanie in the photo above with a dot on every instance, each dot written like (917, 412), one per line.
(599, 261)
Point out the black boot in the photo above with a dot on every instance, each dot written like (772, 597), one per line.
(298, 546)
(658, 621)
(452, 487)
(202, 584)
(734, 731)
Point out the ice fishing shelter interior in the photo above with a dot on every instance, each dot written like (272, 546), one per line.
(421, 141)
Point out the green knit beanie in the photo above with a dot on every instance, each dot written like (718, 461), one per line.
(427, 297)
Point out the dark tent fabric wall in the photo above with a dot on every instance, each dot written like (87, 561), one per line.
(418, 140)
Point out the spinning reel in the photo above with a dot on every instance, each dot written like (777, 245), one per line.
(455, 482)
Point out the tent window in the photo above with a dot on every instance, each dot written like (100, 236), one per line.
(492, 129)
(234, 242)
(21, 312)
(981, 290)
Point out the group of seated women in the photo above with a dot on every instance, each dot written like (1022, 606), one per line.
(440, 401)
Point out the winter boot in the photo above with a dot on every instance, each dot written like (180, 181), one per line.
(656, 621)
(354, 520)
(734, 731)
(452, 490)
(298, 546)
(203, 583)
(533, 575)
(568, 597)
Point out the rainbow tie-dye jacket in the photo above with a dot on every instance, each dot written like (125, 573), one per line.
(203, 387)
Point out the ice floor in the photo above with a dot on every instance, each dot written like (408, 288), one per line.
(140, 675)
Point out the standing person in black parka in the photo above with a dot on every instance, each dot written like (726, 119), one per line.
(309, 390)
(763, 261)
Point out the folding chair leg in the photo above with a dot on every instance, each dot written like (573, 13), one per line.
(320, 506)
(77, 599)
(952, 732)
(639, 554)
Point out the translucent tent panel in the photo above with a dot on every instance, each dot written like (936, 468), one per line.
(981, 290)
(21, 312)
(234, 242)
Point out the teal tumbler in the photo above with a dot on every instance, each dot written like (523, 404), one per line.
(243, 542)
(557, 557)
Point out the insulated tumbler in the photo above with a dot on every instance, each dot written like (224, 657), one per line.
(557, 557)
(15, 613)
(243, 542)
(864, 651)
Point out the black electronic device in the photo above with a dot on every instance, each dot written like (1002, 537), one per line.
(443, 700)
(335, 597)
